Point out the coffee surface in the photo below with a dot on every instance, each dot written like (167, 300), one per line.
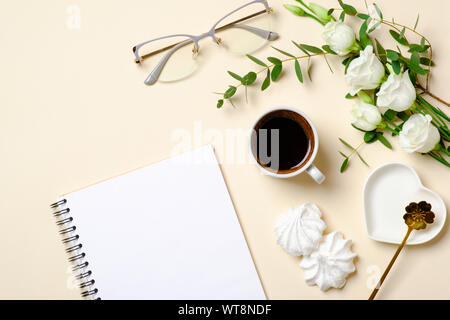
(293, 143)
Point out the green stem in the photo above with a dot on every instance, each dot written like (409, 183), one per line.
(391, 123)
(427, 110)
(445, 151)
(355, 150)
(439, 158)
(436, 110)
(315, 18)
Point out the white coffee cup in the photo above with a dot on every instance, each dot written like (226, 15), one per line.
(308, 127)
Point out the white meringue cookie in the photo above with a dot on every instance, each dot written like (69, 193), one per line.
(330, 265)
(300, 230)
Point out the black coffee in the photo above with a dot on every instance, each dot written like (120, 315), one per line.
(285, 142)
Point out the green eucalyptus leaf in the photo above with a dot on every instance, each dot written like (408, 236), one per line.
(418, 48)
(266, 82)
(380, 14)
(346, 60)
(230, 92)
(276, 71)
(345, 143)
(328, 64)
(342, 16)
(348, 63)
(383, 140)
(249, 78)
(370, 136)
(363, 36)
(298, 46)
(418, 70)
(412, 77)
(308, 68)
(417, 22)
(375, 26)
(284, 52)
(219, 103)
(330, 12)
(275, 61)
(414, 64)
(348, 9)
(381, 51)
(362, 159)
(396, 67)
(311, 49)
(392, 55)
(426, 61)
(397, 37)
(344, 165)
(343, 154)
(256, 60)
(328, 49)
(422, 41)
(363, 16)
(298, 71)
(235, 76)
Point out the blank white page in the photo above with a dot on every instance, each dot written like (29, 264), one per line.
(166, 231)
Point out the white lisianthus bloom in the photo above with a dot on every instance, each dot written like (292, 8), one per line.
(365, 116)
(364, 72)
(340, 37)
(373, 13)
(397, 93)
(418, 134)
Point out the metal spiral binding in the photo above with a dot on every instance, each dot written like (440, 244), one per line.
(72, 241)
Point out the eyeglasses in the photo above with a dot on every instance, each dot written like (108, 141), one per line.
(242, 31)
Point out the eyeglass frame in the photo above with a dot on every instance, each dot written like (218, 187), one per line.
(156, 72)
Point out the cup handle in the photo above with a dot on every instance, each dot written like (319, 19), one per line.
(315, 174)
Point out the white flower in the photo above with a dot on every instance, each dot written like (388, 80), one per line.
(365, 116)
(418, 134)
(373, 13)
(339, 36)
(397, 92)
(364, 72)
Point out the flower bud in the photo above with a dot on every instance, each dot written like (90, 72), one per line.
(295, 10)
(418, 134)
(339, 36)
(365, 116)
(365, 72)
(397, 93)
(320, 12)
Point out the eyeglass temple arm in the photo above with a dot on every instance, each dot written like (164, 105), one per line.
(263, 33)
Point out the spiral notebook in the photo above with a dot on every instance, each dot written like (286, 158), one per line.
(165, 231)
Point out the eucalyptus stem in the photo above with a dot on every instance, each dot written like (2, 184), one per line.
(286, 60)
(433, 95)
(388, 268)
(393, 24)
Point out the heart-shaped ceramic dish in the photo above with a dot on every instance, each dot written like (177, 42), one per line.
(387, 191)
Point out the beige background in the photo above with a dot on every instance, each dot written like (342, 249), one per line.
(74, 110)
